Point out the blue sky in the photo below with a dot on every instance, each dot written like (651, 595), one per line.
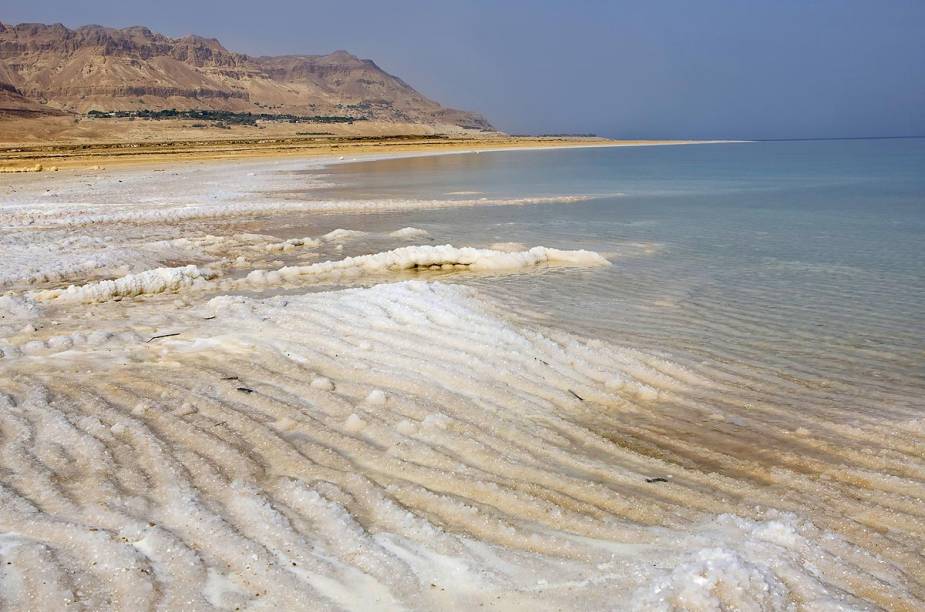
(660, 68)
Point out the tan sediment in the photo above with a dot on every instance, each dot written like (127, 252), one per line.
(159, 144)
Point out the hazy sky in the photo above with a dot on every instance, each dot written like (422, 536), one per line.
(659, 68)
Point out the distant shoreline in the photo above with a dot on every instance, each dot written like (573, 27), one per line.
(34, 157)
(836, 138)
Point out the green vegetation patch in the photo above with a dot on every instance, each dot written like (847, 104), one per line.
(225, 117)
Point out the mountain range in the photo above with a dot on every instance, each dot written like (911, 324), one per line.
(52, 69)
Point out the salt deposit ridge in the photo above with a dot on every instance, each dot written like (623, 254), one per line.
(110, 223)
(425, 257)
(187, 422)
(343, 449)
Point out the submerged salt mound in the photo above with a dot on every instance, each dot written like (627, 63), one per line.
(340, 234)
(148, 282)
(444, 257)
(408, 233)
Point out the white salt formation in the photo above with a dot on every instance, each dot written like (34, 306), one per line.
(73, 214)
(342, 234)
(400, 446)
(426, 257)
(445, 257)
(54, 256)
(145, 283)
(409, 233)
(84, 226)
(321, 382)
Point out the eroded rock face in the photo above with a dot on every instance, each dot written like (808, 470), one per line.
(99, 68)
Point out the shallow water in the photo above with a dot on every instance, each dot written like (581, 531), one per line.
(801, 260)
(790, 274)
(728, 417)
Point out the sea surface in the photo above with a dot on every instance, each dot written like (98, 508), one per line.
(793, 270)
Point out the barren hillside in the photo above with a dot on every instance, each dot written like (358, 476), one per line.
(51, 68)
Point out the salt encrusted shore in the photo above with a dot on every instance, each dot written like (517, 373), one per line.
(78, 225)
(189, 422)
(400, 446)
(424, 257)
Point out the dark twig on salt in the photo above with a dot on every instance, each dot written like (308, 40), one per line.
(162, 336)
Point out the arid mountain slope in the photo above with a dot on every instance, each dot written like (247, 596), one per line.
(106, 69)
(14, 104)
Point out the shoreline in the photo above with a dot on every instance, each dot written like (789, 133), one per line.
(337, 402)
(38, 160)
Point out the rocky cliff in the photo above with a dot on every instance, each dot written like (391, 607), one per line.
(51, 68)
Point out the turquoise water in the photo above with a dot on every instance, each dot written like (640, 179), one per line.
(803, 262)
